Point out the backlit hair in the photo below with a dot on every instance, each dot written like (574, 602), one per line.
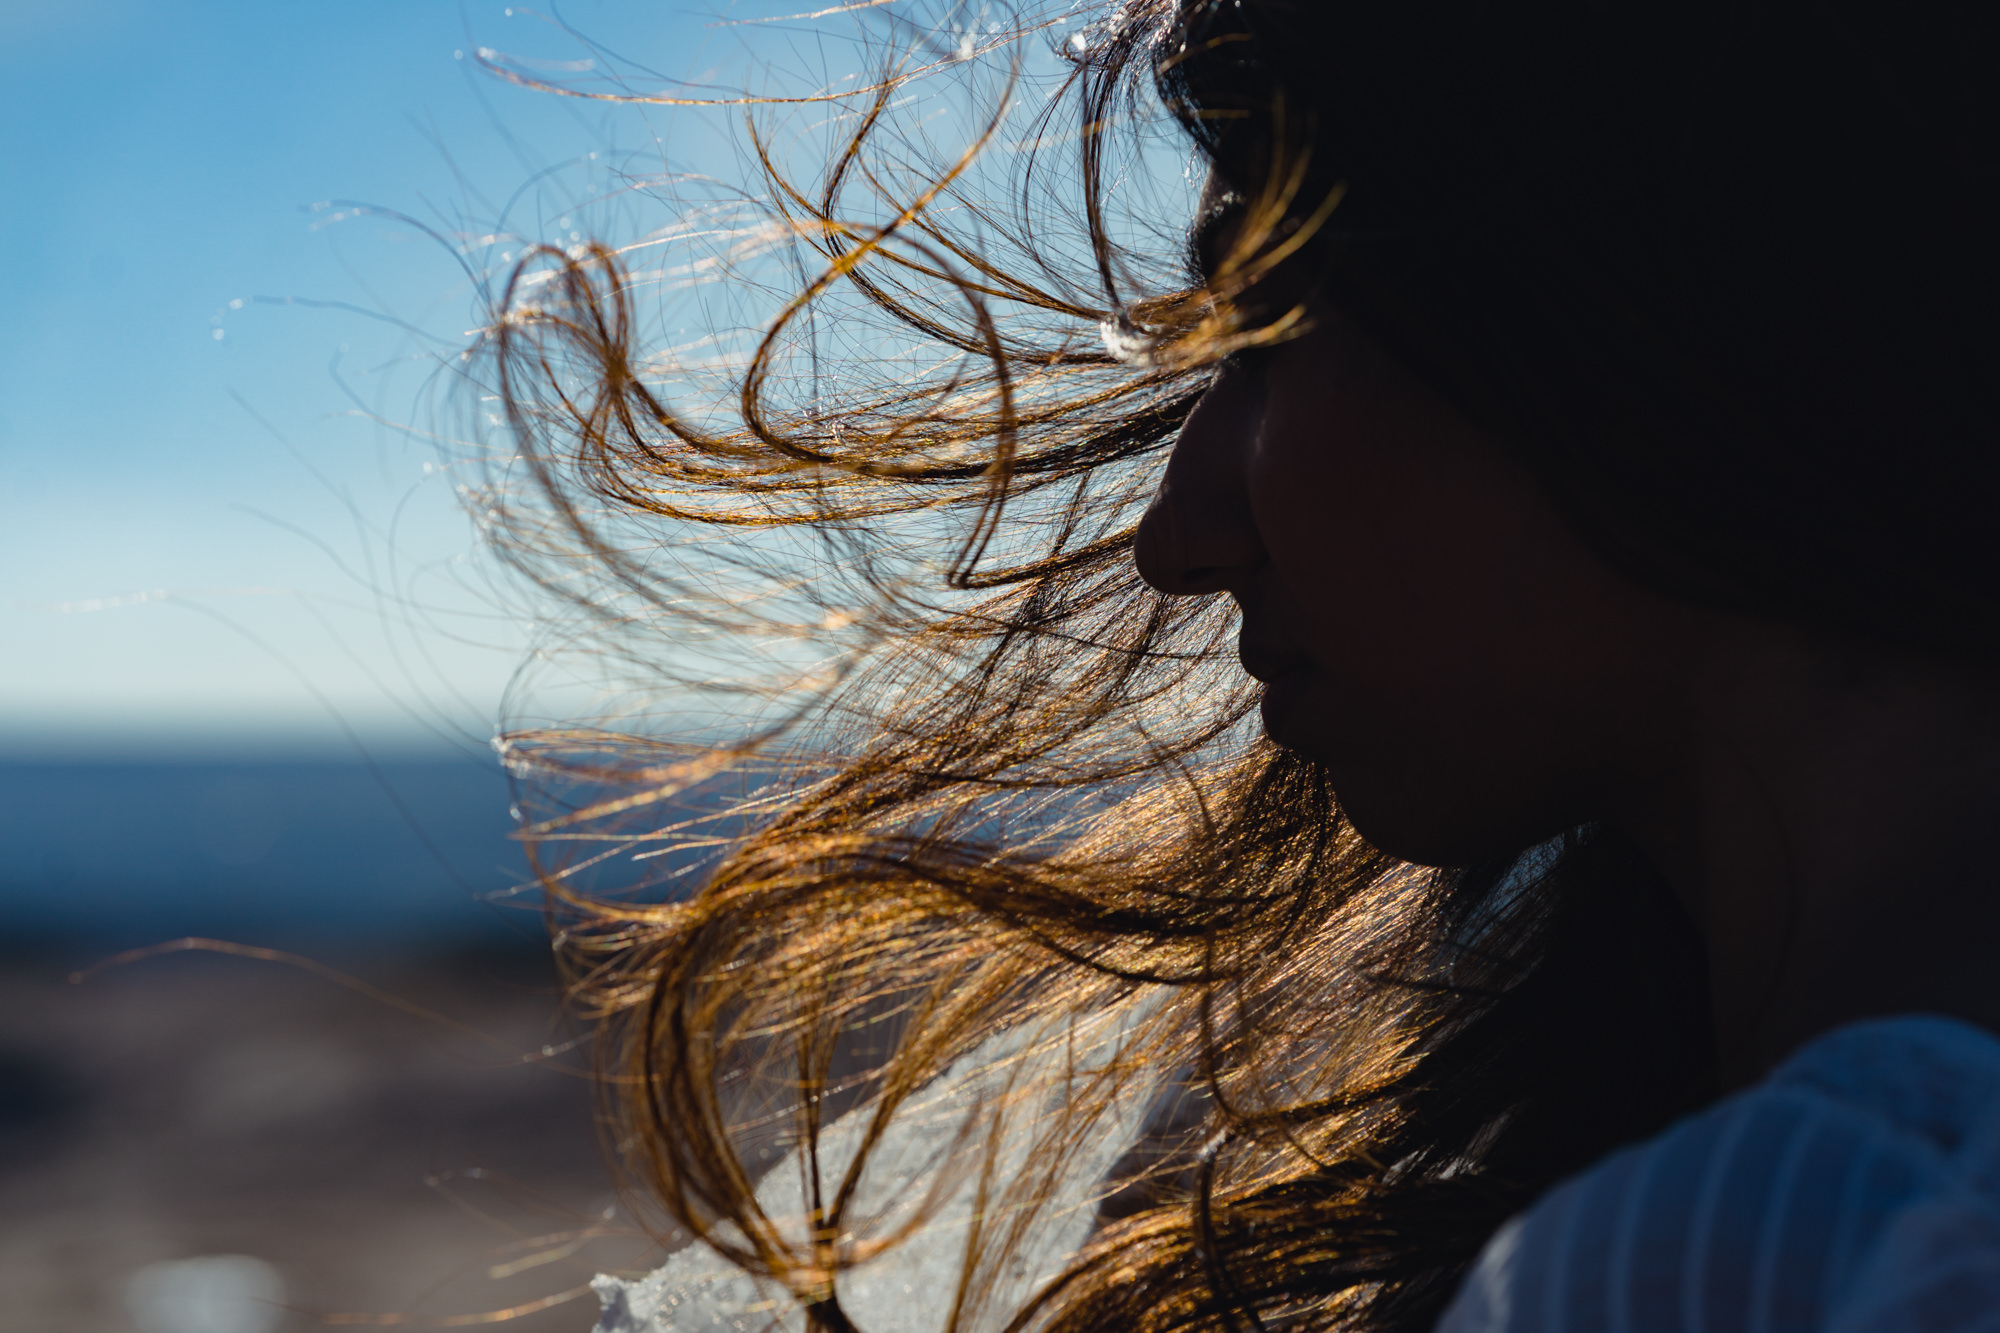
(995, 783)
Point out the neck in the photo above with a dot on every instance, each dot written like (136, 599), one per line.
(1830, 823)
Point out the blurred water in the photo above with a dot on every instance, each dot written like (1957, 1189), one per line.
(216, 1293)
(122, 853)
(202, 1144)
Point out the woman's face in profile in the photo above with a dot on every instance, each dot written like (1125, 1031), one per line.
(1472, 677)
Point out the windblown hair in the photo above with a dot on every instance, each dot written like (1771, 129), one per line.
(1007, 787)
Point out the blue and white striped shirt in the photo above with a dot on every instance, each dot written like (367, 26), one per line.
(1855, 1190)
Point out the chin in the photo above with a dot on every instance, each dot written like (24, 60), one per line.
(1285, 707)
(1408, 835)
(1415, 802)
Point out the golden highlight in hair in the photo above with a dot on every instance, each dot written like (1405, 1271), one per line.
(1001, 786)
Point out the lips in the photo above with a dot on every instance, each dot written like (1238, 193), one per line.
(1266, 661)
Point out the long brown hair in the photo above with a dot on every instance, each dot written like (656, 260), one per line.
(992, 782)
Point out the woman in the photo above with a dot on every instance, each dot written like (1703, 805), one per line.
(1587, 413)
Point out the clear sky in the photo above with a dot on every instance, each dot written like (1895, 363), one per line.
(203, 543)
(209, 539)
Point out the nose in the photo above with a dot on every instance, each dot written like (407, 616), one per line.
(1199, 535)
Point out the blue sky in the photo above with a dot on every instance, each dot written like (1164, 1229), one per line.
(197, 531)
(208, 540)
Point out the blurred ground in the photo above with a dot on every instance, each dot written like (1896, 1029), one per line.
(197, 1105)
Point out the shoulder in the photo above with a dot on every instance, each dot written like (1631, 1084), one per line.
(1856, 1189)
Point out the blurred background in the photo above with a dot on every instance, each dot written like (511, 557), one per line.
(251, 660)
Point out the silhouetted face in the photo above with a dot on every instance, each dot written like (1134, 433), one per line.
(1471, 675)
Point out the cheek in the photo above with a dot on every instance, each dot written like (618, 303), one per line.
(1393, 554)
(1458, 684)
